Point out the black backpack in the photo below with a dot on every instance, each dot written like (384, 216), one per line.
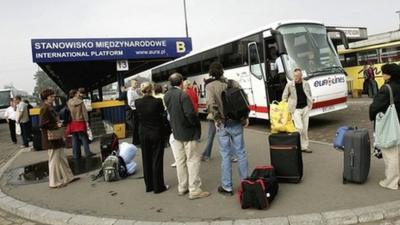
(235, 103)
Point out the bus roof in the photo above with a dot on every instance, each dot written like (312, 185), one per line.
(273, 25)
(351, 50)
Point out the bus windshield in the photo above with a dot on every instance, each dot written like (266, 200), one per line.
(4, 99)
(309, 49)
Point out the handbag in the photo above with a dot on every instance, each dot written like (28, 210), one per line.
(387, 126)
(56, 134)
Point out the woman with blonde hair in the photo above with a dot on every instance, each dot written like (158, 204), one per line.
(150, 111)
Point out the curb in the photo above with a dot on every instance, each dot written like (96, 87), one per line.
(348, 216)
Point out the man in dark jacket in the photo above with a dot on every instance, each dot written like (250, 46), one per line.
(391, 75)
(186, 129)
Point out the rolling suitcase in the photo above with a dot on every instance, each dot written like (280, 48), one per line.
(286, 158)
(108, 144)
(357, 156)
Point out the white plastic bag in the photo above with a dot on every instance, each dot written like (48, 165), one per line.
(128, 152)
(108, 127)
(17, 129)
(88, 104)
(89, 132)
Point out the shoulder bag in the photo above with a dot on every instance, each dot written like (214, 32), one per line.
(387, 126)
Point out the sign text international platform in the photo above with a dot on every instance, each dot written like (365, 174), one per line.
(67, 50)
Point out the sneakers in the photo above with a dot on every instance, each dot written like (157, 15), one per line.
(223, 191)
(173, 164)
(234, 159)
(183, 193)
(382, 184)
(202, 194)
(306, 150)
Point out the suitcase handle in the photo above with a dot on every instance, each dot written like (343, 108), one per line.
(352, 157)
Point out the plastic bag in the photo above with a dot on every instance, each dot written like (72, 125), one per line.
(89, 132)
(128, 152)
(281, 119)
(17, 129)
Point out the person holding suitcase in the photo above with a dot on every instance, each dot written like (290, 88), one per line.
(298, 95)
(391, 75)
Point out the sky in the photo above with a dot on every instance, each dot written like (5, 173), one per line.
(210, 22)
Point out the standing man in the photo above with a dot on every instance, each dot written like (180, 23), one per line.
(298, 95)
(230, 131)
(133, 94)
(10, 116)
(22, 117)
(187, 131)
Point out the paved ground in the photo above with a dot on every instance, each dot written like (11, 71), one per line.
(322, 128)
(8, 150)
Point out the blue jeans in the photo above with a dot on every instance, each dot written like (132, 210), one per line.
(77, 139)
(231, 142)
(210, 139)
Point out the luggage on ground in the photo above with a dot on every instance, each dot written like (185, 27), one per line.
(268, 174)
(357, 156)
(235, 103)
(111, 167)
(122, 169)
(128, 152)
(37, 138)
(286, 158)
(257, 192)
(252, 194)
(338, 141)
(281, 118)
(108, 144)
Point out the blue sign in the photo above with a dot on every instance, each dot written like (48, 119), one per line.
(67, 50)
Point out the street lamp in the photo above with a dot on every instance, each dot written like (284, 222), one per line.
(398, 12)
(186, 26)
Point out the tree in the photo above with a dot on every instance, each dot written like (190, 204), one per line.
(43, 81)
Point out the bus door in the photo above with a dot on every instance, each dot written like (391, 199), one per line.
(259, 107)
(274, 71)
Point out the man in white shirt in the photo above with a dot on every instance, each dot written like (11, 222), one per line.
(22, 117)
(10, 115)
(133, 94)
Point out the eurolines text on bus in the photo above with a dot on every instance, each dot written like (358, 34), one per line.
(329, 81)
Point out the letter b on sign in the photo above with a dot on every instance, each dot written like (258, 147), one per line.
(180, 47)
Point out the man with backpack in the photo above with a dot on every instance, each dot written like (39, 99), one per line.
(228, 107)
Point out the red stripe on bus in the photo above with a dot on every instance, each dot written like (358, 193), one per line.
(330, 102)
(260, 109)
(316, 105)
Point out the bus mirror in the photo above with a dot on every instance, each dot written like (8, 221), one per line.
(280, 45)
(343, 36)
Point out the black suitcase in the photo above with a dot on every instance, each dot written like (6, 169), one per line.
(108, 144)
(285, 150)
(37, 138)
(357, 156)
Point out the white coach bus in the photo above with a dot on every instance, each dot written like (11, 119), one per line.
(264, 60)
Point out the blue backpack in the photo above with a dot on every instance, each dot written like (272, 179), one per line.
(338, 141)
